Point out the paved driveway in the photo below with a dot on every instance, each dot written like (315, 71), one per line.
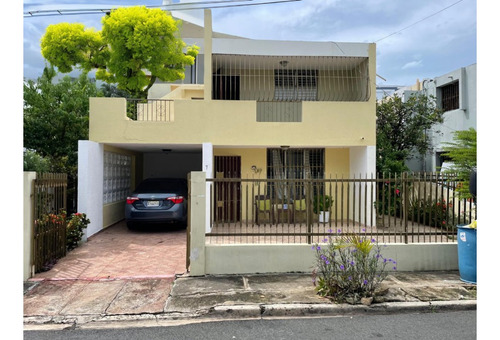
(117, 253)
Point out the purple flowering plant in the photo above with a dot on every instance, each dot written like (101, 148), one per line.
(349, 267)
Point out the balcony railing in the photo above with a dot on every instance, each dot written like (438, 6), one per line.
(290, 78)
(159, 110)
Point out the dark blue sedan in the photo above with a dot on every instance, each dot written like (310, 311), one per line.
(157, 200)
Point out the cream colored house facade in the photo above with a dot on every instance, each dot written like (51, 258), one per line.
(244, 100)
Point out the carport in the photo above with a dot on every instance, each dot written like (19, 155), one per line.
(107, 172)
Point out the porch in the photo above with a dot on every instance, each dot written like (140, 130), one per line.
(414, 217)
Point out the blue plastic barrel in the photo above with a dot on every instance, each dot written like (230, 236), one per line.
(466, 243)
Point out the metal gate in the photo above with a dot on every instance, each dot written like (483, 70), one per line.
(49, 220)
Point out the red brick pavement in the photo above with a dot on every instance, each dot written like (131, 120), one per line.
(117, 253)
(116, 272)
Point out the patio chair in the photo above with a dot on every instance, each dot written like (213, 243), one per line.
(262, 206)
(300, 209)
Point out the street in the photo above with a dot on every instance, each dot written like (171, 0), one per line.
(443, 326)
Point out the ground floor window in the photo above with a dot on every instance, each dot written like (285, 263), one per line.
(289, 165)
(117, 173)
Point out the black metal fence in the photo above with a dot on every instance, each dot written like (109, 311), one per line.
(402, 208)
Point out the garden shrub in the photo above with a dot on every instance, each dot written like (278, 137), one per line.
(349, 267)
(434, 213)
(74, 232)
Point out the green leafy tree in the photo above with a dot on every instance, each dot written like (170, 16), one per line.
(463, 154)
(32, 161)
(401, 130)
(136, 46)
(110, 90)
(56, 116)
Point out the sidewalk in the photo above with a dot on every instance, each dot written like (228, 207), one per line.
(96, 302)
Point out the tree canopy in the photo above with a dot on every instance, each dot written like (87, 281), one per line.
(56, 116)
(401, 129)
(463, 154)
(135, 47)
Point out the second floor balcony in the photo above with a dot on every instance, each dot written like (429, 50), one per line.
(279, 84)
(229, 123)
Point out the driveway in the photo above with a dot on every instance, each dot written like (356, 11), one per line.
(116, 272)
(117, 253)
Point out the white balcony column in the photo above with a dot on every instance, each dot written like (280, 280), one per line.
(90, 184)
(208, 54)
(363, 164)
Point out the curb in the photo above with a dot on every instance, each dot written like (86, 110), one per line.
(298, 310)
(249, 311)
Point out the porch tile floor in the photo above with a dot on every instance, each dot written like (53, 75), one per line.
(117, 253)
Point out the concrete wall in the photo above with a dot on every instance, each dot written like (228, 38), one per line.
(283, 258)
(28, 211)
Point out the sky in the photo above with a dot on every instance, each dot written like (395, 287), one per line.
(415, 39)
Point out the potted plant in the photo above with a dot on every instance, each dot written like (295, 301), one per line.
(321, 206)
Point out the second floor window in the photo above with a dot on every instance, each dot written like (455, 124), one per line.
(450, 97)
(295, 85)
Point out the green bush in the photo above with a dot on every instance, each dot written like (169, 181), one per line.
(349, 268)
(74, 232)
(390, 202)
(322, 203)
(434, 213)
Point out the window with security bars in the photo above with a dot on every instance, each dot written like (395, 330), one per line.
(293, 164)
(450, 97)
(295, 85)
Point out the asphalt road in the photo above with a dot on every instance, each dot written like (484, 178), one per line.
(450, 325)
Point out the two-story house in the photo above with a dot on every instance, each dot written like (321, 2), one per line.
(247, 108)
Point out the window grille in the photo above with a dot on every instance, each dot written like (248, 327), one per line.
(293, 164)
(290, 78)
(450, 97)
(295, 85)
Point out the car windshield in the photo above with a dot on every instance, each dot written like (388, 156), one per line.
(161, 186)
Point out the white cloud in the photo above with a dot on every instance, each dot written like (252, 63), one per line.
(412, 64)
(443, 41)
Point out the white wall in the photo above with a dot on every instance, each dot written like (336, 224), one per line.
(90, 184)
(363, 164)
(463, 118)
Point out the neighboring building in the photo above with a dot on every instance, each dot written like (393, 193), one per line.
(248, 108)
(386, 91)
(455, 94)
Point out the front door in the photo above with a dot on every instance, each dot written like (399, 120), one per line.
(227, 193)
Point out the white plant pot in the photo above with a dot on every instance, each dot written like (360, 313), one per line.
(324, 216)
